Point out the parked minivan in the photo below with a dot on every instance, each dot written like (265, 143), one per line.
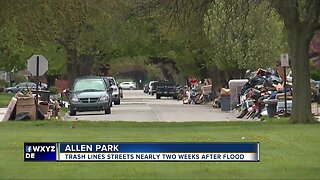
(90, 94)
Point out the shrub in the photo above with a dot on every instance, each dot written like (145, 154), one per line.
(3, 83)
(315, 74)
(54, 90)
(18, 78)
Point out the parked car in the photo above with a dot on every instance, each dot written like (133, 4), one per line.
(21, 86)
(117, 92)
(43, 86)
(166, 88)
(90, 94)
(128, 85)
(152, 87)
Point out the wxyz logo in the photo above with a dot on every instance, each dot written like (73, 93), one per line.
(40, 148)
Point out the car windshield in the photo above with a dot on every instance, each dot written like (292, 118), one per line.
(89, 85)
(21, 85)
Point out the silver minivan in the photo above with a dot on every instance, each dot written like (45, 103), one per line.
(89, 94)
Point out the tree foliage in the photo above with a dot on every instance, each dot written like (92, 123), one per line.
(201, 36)
(244, 34)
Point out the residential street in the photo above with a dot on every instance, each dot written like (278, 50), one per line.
(138, 106)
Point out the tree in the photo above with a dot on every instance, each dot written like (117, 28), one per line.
(301, 19)
(242, 32)
(12, 50)
(217, 38)
(65, 23)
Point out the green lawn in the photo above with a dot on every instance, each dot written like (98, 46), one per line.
(287, 151)
(5, 99)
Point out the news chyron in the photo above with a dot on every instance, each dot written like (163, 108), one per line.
(46, 151)
(142, 152)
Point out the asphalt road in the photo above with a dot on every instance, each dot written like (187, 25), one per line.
(141, 107)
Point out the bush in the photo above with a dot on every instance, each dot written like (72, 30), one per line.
(18, 78)
(3, 83)
(315, 75)
(54, 90)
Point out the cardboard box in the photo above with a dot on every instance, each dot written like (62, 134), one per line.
(26, 104)
(9, 109)
(25, 100)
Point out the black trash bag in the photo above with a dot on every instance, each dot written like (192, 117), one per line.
(245, 88)
(24, 116)
(257, 80)
(13, 114)
(40, 115)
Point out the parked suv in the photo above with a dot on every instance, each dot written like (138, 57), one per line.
(166, 88)
(89, 94)
(117, 93)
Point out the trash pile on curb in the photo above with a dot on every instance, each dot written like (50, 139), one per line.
(198, 94)
(262, 94)
(23, 107)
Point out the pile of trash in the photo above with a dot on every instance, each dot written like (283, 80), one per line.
(261, 94)
(23, 107)
(199, 93)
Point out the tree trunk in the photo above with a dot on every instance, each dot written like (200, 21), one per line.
(72, 64)
(299, 41)
(219, 80)
(300, 21)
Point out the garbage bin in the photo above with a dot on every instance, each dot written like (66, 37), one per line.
(225, 103)
(45, 95)
(272, 109)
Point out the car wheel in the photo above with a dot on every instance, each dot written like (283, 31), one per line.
(131, 88)
(72, 113)
(111, 104)
(10, 91)
(108, 110)
(117, 102)
(158, 96)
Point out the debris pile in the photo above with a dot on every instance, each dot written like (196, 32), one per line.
(23, 107)
(198, 94)
(264, 94)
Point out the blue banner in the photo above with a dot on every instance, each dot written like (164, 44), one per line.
(40, 152)
(161, 147)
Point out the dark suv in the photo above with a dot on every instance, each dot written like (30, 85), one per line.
(166, 88)
(90, 94)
